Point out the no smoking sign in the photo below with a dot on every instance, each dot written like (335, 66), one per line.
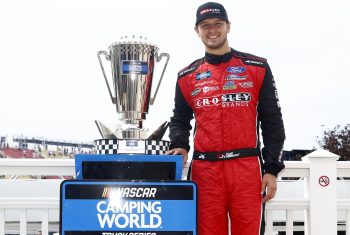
(324, 181)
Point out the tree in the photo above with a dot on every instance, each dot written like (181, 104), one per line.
(337, 141)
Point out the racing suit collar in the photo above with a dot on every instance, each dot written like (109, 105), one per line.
(217, 59)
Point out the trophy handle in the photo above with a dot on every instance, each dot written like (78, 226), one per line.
(108, 57)
(158, 58)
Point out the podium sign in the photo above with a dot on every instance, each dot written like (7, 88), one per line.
(128, 208)
(128, 167)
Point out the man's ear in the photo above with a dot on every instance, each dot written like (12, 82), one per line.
(228, 26)
(196, 29)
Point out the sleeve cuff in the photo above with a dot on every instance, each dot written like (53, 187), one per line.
(274, 168)
(179, 145)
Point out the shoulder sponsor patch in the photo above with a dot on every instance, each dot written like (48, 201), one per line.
(259, 63)
(187, 70)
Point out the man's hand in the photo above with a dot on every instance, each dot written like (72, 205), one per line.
(269, 183)
(179, 151)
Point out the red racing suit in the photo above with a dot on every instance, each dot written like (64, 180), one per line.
(231, 96)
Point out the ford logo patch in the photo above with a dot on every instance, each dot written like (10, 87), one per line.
(236, 70)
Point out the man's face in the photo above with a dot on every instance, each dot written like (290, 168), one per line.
(213, 32)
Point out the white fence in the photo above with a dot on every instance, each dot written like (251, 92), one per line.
(317, 200)
(30, 206)
(323, 197)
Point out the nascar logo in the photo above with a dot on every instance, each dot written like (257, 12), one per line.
(204, 75)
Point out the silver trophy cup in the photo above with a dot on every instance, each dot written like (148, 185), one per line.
(132, 64)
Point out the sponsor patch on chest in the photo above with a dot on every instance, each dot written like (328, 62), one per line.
(204, 75)
(224, 100)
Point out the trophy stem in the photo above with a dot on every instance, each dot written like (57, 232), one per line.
(136, 116)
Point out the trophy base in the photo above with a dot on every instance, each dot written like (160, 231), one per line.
(131, 146)
(131, 134)
(131, 131)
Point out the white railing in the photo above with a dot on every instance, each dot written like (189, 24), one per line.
(322, 198)
(25, 203)
(319, 208)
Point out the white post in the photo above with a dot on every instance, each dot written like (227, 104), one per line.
(45, 221)
(23, 222)
(289, 222)
(269, 222)
(322, 193)
(347, 222)
(2, 221)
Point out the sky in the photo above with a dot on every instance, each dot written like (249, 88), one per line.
(51, 84)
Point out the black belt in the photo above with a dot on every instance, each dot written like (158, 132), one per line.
(217, 156)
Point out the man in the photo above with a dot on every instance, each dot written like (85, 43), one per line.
(230, 94)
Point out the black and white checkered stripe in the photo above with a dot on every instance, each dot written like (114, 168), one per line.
(106, 146)
(152, 147)
(155, 147)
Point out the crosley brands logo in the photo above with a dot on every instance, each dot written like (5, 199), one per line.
(204, 75)
(208, 101)
(236, 97)
(225, 100)
(211, 10)
(236, 70)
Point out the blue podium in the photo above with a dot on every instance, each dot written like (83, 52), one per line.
(128, 167)
(128, 195)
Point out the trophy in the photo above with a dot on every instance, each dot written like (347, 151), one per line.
(132, 64)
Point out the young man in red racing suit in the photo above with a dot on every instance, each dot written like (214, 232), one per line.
(230, 94)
